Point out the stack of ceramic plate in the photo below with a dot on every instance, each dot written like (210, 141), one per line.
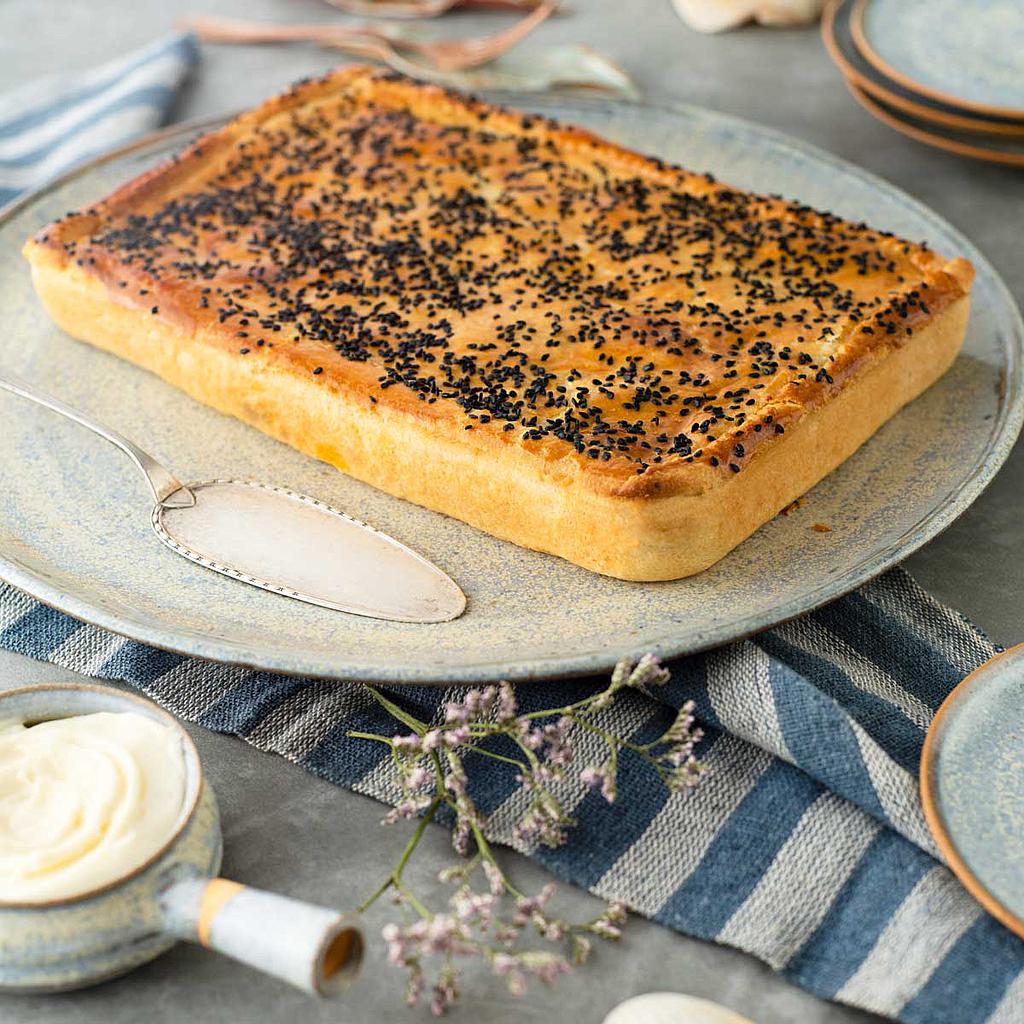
(949, 73)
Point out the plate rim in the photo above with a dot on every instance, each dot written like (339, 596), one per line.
(1003, 436)
(928, 778)
(909, 130)
(872, 57)
(992, 126)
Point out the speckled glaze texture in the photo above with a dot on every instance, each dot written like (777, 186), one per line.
(71, 943)
(967, 50)
(92, 940)
(972, 776)
(74, 523)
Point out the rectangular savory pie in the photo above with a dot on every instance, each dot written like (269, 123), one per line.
(562, 342)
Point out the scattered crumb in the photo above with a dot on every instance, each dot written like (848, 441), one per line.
(821, 528)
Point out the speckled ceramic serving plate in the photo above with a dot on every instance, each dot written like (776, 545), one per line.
(74, 516)
(966, 52)
(972, 785)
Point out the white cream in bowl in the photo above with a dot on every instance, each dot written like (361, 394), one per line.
(84, 801)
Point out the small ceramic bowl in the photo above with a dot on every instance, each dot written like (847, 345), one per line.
(175, 895)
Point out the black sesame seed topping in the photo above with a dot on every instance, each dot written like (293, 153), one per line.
(622, 310)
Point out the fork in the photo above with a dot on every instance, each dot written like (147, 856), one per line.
(424, 8)
(379, 42)
(460, 54)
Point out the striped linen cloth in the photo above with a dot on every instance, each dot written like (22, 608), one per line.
(804, 844)
(51, 125)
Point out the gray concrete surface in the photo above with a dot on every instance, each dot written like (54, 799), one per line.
(289, 831)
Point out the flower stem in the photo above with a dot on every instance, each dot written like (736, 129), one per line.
(569, 709)
(614, 741)
(369, 736)
(486, 853)
(403, 716)
(496, 757)
(395, 878)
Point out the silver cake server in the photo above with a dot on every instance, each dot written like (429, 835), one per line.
(282, 541)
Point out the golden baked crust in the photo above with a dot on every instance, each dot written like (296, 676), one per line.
(565, 343)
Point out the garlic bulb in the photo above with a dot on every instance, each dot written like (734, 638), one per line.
(719, 15)
(671, 1008)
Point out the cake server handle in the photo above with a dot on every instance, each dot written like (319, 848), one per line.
(167, 489)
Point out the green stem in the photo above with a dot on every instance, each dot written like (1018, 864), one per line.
(569, 709)
(614, 741)
(485, 851)
(369, 736)
(496, 757)
(395, 878)
(531, 757)
(404, 717)
(420, 909)
(439, 768)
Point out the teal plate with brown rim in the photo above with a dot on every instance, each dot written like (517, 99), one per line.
(968, 53)
(71, 533)
(840, 32)
(972, 785)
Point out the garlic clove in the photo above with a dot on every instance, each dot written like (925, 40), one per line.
(672, 1008)
(719, 15)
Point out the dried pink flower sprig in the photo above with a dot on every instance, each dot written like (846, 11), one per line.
(472, 926)
(429, 767)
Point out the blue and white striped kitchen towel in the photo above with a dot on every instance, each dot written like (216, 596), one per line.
(49, 126)
(805, 842)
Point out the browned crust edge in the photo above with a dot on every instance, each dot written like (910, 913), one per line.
(943, 282)
(629, 537)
